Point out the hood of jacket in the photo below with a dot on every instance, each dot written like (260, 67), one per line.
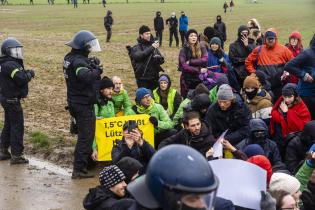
(96, 196)
(308, 134)
(240, 29)
(257, 125)
(263, 94)
(169, 79)
(297, 35)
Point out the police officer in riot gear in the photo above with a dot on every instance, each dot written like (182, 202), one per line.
(14, 81)
(82, 75)
(189, 185)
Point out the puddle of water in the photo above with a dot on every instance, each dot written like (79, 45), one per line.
(50, 167)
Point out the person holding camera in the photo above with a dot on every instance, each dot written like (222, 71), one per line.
(146, 59)
(132, 145)
(82, 76)
(238, 52)
(14, 81)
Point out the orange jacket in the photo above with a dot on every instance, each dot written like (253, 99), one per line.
(278, 55)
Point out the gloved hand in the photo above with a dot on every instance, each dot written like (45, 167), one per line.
(154, 121)
(267, 202)
(311, 162)
(29, 74)
(95, 60)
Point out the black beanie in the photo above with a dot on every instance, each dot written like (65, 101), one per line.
(189, 32)
(201, 101)
(110, 176)
(144, 29)
(106, 83)
(129, 167)
(289, 89)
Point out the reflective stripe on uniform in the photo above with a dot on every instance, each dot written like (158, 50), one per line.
(78, 69)
(14, 72)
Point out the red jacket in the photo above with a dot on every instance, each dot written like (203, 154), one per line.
(297, 116)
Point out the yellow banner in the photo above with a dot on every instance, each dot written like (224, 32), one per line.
(109, 129)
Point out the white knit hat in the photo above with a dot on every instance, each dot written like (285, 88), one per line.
(285, 182)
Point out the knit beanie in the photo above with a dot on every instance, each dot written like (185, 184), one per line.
(290, 89)
(251, 82)
(201, 101)
(201, 88)
(222, 79)
(190, 31)
(263, 162)
(225, 93)
(215, 40)
(110, 176)
(129, 166)
(140, 93)
(106, 83)
(164, 78)
(285, 182)
(144, 29)
(253, 149)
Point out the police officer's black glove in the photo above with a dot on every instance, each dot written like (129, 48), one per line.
(154, 121)
(29, 74)
(95, 60)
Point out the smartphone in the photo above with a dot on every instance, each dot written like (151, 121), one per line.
(132, 124)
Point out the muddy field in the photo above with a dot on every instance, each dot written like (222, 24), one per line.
(44, 29)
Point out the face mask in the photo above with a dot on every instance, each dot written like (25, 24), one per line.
(258, 137)
(251, 95)
(173, 16)
(185, 207)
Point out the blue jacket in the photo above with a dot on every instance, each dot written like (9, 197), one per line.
(183, 23)
(214, 61)
(299, 66)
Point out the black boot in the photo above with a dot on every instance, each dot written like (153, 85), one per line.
(81, 174)
(18, 160)
(4, 154)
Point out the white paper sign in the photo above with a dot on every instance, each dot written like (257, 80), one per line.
(240, 181)
(218, 147)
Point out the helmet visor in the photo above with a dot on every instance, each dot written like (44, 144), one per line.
(94, 46)
(16, 52)
(198, 201)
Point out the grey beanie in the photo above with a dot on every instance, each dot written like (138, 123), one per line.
(225, 92)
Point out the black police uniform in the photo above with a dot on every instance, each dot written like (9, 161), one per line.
(14, 86)
(81, 78)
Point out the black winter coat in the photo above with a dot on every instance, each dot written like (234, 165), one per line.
(172, 23)
(220, 26)
(100, 198)
(235, 119)
(202, 142)
(158, 23)
(295, 154)
(146, 61)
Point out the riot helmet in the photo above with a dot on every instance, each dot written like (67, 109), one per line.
(177, 177)
(12, 47)
(85, 41)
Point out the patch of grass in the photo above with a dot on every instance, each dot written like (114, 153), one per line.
(40, 140)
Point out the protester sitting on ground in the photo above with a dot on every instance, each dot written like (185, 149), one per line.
(195, 134)
(122, 103)
(167, 96)
(132, 145)
(178, 117)
(303, 66)
(263, 162)
(298, 147)
(110, 192)
(305, 171)
(104, 107)
(131, 168)
(270, 58)
(257, 99)
(284, 200)
(308, 195)
(296, 47)
(287, 183)
(228, 114)
(192, 61)
(163, 126)
(289, 114)
(259, 135)
(218, 60)
(200, 104)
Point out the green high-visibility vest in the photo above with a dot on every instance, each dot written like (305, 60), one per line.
(170, 99)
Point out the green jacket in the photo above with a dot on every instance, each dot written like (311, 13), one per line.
(180, 111)
(157, 111)
(105, 111)
(303, 175)
(122, 102)
(173, 100)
